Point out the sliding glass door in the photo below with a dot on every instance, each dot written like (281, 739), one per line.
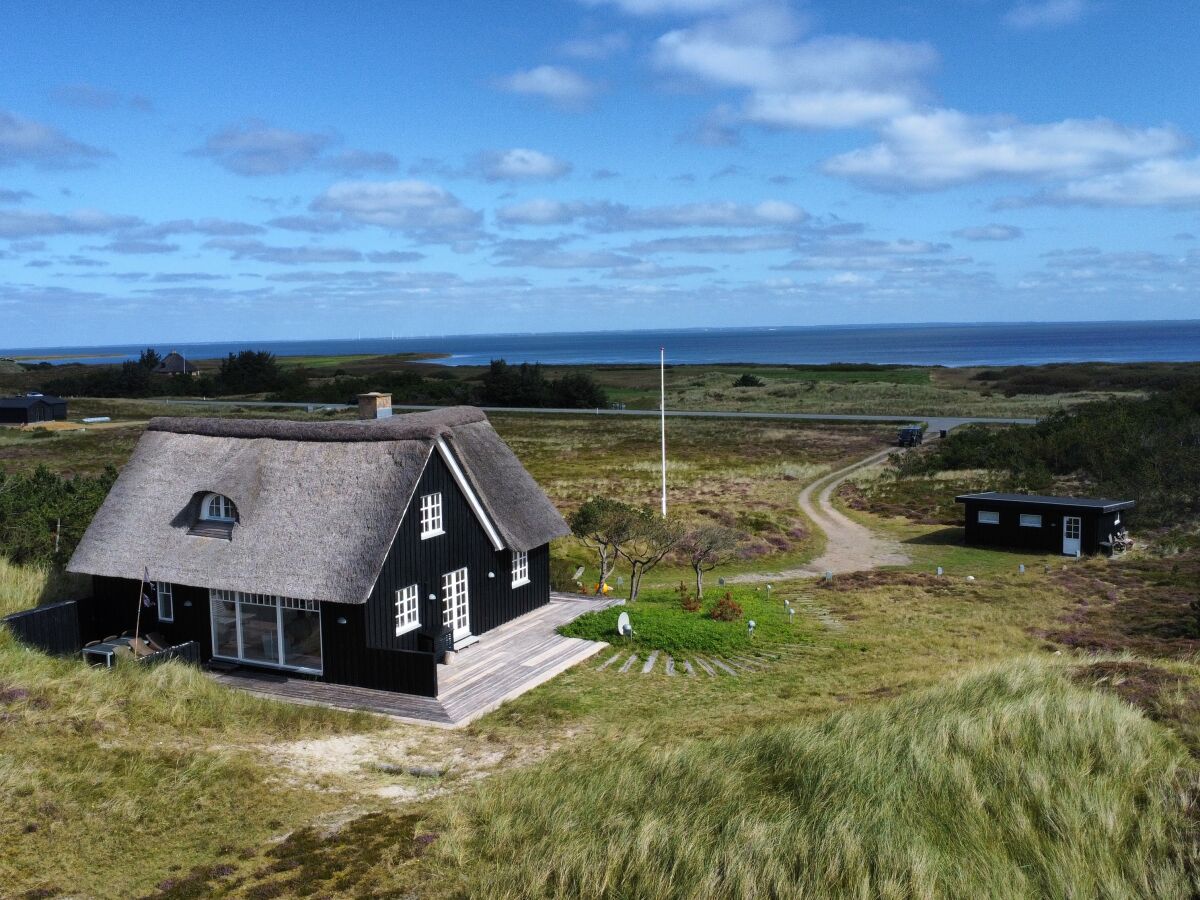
(266, 630)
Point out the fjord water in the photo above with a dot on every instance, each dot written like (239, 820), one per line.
(990, 344)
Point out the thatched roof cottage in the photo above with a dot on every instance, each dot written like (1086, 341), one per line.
(354, 552)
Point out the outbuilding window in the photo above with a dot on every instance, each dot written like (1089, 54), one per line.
(166, 602)
(1031, 520)
(407, 616)
(431, 515)
(520, 568)
(988, 517)
(217, 508)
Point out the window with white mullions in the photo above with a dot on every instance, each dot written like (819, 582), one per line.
(455, 607)
(988, 517)
(520, 568)
(166, 602)
(218, 508)
(1031, 520)
(431, 515)
(407, 615)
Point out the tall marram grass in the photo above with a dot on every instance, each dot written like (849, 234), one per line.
(24, 586)
(1008, 783)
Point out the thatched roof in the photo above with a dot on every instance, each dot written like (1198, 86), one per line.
(318, 502)
(174, 364)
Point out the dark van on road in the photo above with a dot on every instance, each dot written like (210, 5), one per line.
(910, 436)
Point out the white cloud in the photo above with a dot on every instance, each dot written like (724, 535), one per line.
(421, 210)
(666, 7)
(645, 271)
(241, 249)
(603, 215)
(521, 164)
(945, 147)
(991, 232)
(599, 46)
(255, 148)
(1157, 182)
(26, 141)
(1045, 13)
(557, 84)
(548, 254)
(16, 224)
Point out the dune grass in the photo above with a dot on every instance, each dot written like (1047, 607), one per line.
(1010, 783)
(23, 587)
(109, 778)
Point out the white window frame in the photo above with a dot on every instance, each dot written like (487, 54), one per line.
(1031, 520)
(520, 567)
(454, 586)
(431, 515)
(988, 517)
(238, 599)
(408, 609)
(166, 610)
(226, 511)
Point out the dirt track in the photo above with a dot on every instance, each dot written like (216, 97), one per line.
(849, 547)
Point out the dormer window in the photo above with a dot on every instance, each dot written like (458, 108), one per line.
(217, 508)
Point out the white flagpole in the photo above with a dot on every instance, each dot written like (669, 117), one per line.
(662, 406)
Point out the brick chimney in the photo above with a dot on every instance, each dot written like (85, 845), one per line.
(374, 405)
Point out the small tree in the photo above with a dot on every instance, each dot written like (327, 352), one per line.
(602, 525)
(708, 546)
(149, 359)
(650, 538)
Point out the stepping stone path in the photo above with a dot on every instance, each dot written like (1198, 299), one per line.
(757, 661)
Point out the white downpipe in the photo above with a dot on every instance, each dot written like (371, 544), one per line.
(662, 407)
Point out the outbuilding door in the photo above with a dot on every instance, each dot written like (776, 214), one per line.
(1072, 526)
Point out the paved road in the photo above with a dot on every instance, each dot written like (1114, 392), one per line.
(935, 423)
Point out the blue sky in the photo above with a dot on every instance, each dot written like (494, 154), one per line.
(222, 171)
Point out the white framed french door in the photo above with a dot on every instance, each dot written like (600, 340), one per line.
(265, 630)
(1072, 528)
(456, 603)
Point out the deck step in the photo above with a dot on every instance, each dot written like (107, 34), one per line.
(670, 664)
(608, 662)
(687, 667)
(650, 663)
(705, 666)
(628, 663)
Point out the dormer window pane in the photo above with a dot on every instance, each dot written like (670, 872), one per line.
(218, 508)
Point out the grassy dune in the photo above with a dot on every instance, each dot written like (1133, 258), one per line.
(1012, 783)
(23, 587)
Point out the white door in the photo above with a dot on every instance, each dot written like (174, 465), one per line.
(1071, 529)
(456, 604)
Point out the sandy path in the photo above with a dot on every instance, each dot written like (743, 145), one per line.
(849, 546)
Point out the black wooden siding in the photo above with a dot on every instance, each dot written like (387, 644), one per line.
(1095, 526)
(492, 600)
(39, 411)
(53, 628)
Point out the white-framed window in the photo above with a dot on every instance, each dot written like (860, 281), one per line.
(217, 508)
(520, 568)
(407, 615)
(988, 517)
(166, 602)
(263, 629)
(431, 515)
(1031, 520)
(455, 609)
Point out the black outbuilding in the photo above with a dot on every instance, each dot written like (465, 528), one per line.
(1069, 525)
(31, 408)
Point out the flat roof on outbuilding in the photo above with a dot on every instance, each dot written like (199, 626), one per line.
(1097, 503)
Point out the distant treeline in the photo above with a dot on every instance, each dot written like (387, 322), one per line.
(1065, 378)
(259, 372)
(43, 515)
(1146, 450)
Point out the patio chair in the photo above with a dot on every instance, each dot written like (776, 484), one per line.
(140, 647)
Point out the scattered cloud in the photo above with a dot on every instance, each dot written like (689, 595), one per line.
(652, 270)
(395, 256)
(1154, 182)
(134, 246)
(1045, 14)
(422, 211)
(322, 224)
(989, 233)
(1184, 236)
(558, 84)
(604, 174)
(549, 254)
(89, 96)
(26, 141)
(521, 164)
(254, 148)
(824, 81)
(21, 224)
(208, 227)
(240, 249)
(669, 7)
(598, 46)
(717, 243)
(10, 196)
(360, 162)
(603, 215)
(944, 147)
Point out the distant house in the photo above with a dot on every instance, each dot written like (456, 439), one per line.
(1069, 525)
(32, 408)
(174, 364)
(350, 552)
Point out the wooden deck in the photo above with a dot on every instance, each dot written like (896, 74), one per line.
(505, 663)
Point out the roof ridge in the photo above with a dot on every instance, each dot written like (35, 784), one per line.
(422, 426)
